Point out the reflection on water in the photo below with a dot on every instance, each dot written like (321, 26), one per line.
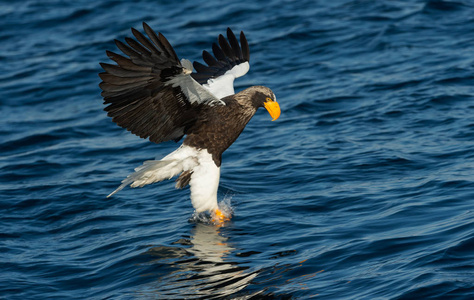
(202, 268)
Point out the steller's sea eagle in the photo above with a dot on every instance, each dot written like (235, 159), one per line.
(154, 95)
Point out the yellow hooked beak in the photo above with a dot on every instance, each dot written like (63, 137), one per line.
(273, 108)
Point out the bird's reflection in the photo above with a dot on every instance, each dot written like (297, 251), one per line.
(201, 267)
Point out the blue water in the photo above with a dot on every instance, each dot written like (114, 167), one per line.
(363, 189)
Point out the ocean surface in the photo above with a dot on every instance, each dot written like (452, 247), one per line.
(363, 189)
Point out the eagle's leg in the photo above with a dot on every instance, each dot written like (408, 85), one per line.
(204, 184)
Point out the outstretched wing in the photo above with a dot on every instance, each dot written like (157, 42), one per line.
(230, 61)
(151, 93)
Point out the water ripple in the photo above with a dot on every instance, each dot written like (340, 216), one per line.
(361, 190)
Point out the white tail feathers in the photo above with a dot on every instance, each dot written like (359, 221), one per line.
(151, 171)
(183, 159)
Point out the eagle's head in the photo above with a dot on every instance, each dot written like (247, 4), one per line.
(264, 97)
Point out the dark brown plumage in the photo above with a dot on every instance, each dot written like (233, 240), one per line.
(218, 127)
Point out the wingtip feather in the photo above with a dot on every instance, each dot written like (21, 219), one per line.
(245, 46)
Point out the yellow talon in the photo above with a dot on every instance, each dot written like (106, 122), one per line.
(219, 218)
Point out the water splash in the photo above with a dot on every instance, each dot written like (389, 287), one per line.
(208, 218)
(225, 206)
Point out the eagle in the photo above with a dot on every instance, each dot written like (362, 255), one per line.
(156, 96)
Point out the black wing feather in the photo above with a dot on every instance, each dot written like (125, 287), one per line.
(226, 48)
(245, 46)
(226, 56)
(209, 59)
(145, 42)
(118, 71)
(218, 53)
(138, 48)
(235, 45)
(168, 48)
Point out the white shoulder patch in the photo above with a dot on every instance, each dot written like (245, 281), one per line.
(188, 65)
(193, 91)
(240, 69)
(223, 85)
